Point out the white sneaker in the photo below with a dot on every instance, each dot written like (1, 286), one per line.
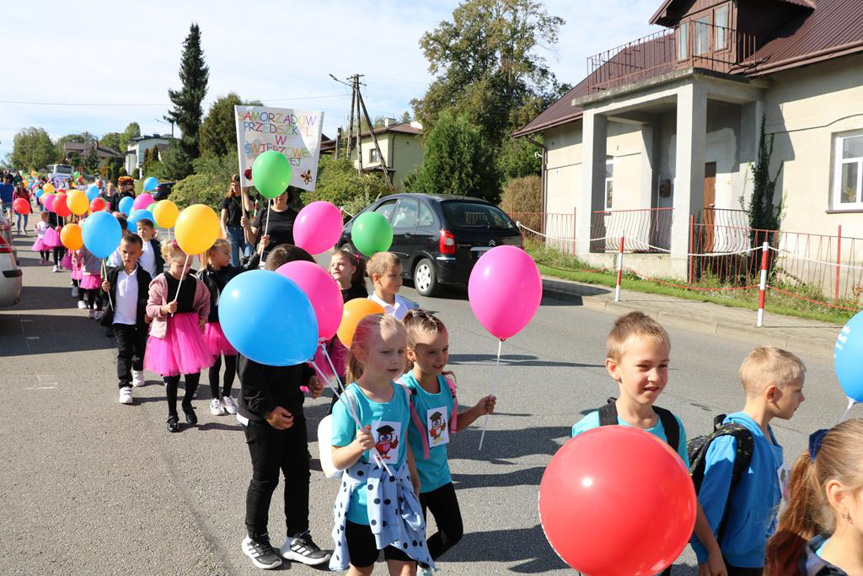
(137, 378)
(216, 408)
(126, 395)
(424, 571)
(56, 268)
(82, 305)
(229, 405)
(91, 314)
(98, 315)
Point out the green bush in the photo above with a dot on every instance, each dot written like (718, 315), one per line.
(199, 189)
(339, 183)
(522, 199)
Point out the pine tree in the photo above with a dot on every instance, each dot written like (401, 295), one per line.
(187, 111)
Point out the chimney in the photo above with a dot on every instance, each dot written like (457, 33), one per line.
(390, 122)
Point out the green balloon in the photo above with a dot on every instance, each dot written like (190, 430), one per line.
(271, 173)
(371, 233)
(76, 174)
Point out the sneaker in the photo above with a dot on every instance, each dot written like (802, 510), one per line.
(173, 423)
(229, 405)
(56, 268)
(76, 292)
(191, 418)
(42, 262)
(91, 314)
(98, 315)
(261, 552)
(216, 408)
(424, 571)
(82, 305)
(126, 395)
(137, 378)
(302, 549)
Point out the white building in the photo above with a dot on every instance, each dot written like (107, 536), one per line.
(138, 147)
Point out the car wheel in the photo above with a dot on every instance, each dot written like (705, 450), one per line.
(425, 279)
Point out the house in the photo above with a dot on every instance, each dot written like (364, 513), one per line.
(400, 144)
(71, 150)
(660, 137)
(138, 146)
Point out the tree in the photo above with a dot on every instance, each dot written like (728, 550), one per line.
(458, 160)
(339, 183)
(176, 164)
(187, 111)
(518, 158)
(33, 149)
(114, 166)
(91, 159)
(406, 117)
(218, 134)
(119, 141)
(763, 211)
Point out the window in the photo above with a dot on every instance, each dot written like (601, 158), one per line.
(427, 218)
(406, 214)
(849, 172)
(720, 42)
(462, 214)
(374, 156)
(683, 41)
(609, 181)
(702, 36)
(386, 209)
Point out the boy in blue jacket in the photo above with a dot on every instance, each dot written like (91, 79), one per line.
(773, 382)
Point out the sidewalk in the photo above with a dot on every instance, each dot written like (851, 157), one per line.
(795, 334)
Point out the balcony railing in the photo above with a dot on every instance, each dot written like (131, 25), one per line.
(691, 45)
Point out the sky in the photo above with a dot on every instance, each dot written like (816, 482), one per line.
(96, 66)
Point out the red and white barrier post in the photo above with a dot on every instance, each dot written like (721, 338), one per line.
(619, 271)
(762, 286)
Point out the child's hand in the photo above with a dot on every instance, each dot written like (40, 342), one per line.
(365, 440)
(315, 386)
(715, 564)
(486, 405)
(202, 324)
(280, 419)
(106, 286)
(169, 308)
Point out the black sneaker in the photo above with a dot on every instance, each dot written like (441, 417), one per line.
(261, 553)
(302, 549)
(173, 424)
(191, 418)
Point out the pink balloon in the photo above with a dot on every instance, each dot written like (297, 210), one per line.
(48, 202)
(318, 227)
(504, 290)
(143, 201)
(323, 292)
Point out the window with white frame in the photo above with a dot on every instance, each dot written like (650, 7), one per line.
(720, 20)
(702, 36)
(848, 178)
(374, 156)
(609, 181)
(683, 41)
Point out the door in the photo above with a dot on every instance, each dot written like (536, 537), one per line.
(404, 221)
(709, 205)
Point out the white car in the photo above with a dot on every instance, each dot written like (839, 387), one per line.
(11, 275)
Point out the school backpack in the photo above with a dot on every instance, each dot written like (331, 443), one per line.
(608, 417)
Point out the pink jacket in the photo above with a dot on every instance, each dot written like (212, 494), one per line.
(158, 297)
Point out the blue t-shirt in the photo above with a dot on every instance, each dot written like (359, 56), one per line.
(592, 421)
(6, 192)
(434, 411)
(389, 422)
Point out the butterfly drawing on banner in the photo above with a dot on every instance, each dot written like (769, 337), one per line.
(306, 176)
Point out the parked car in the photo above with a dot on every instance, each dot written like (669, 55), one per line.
(438, 237)
(11, 275)
(6, 233)
(163, 190)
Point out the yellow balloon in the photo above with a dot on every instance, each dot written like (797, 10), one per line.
(197, 229)
(48, 188)
(77, 202)
(165, 213)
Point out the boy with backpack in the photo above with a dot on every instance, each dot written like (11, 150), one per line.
(637, 356)
(738, 470)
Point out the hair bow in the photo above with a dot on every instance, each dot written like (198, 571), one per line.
(815, 440)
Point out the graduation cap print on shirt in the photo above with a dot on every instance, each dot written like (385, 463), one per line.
(436, 424)
(387, 436)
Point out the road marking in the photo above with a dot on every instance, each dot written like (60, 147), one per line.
(32, 338)
(45, 382)
(41, 388)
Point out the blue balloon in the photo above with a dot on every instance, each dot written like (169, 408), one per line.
(137, 215)
(848, 358)
(268, 319)
(39, 193)
(125, 205)
(92, 192)
(150, 184)
(101, 233)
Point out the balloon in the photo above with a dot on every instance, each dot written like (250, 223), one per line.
(48, 202)
(267, 318)
(60, 207)
(76, 175)
(371, 233)
(77, 202)
(97, 204)
(355, 310)
(92, 192)
(165, 212)
(846, 358)
(318, 227)
(71, 237)
(272, 173)
(136, 216)
(197, 228)
(125, 205)
(39, 192)
(142, 201)
(150, 184)
(504, 290)
(323, 293)
(21, 206)
(101, 233)
(618, 501)
(49, 188)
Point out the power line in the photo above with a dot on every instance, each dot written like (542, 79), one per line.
(137, 105)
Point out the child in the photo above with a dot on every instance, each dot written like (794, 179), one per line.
(52, 240)
(39, 245)
(385, 270)
(372, 513)
(349, 270)
(434, 417)
(151, 257)
(773, 382)
(216, 276)
(179, 305)
(76, 278)
(637, 357)
(819, 532)
(127, 287)
(271, 411)
(91, 282)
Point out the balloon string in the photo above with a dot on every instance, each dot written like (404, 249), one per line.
(105, 276)
(267, 224)
(851, 403)
(493, 389)
(338, 379)
(180, 285)
(374, 451)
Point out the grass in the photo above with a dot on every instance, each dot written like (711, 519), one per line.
(557, 264)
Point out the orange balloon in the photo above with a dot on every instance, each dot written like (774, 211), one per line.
(355, 311)
(71, 237)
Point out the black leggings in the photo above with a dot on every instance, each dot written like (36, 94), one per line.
(230, 372)
(45, 254)
(58, 255)
(444, 507)
(171, 383)
(94, 302)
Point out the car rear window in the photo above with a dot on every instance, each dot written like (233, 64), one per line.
(475, 215)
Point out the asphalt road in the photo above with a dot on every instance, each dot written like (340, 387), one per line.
(94, 487)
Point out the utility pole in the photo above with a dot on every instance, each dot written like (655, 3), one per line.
(356, 99)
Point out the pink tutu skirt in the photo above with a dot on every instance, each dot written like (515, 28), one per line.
(89, 281)
(76, 274)
(51, 239)
(66, 262)
(181, 351)
(216, 341)
(39, 246)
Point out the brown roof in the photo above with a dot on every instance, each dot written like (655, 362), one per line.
(558, 113)
(670, 11)
(401, 128)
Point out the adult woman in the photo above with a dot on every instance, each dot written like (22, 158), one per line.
(21, 192)
(276, 223)
(232, 212)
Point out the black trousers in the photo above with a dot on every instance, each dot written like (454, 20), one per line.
(171, 385)
(58, 255)
(732, 571)
(443, 504)
(131, 344)
(94, 302)
(272, 451)
(230, 373)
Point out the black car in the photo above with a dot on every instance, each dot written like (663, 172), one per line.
(162, 191)
(439, 238)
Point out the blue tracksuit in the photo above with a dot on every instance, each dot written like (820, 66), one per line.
(753, 506)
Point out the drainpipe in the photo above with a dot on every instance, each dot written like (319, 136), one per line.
(543, 173)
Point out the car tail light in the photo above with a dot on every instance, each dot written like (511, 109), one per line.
(447, 243)
(5, 247)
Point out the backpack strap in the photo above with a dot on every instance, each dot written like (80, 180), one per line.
(671, 427)
(415, 418)
(608, 413)
(453, 418)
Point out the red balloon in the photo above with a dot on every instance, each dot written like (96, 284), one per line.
(97, 204)
(60, 207)
(617, 501)
(21, 206)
